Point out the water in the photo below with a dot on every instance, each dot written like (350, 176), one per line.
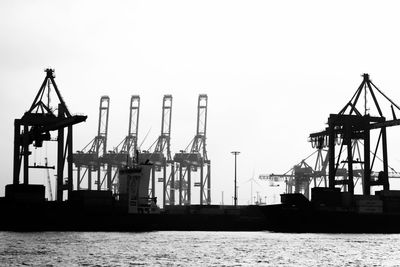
(197, 249)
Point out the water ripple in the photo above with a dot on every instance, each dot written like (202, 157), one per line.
(197, 249)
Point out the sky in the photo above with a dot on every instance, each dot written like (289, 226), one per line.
(273, 72)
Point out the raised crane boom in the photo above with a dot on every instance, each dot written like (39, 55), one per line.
(163, 143)
(132, 138)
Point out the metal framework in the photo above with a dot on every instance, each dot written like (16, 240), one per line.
(125, 153)
(89, 159)
(303, 176)
(350, 125)
(161, 156)
(36, 125)
(188, 162)
(300, 177)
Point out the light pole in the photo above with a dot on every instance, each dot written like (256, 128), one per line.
(235, 196)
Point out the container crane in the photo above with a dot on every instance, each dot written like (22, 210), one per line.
(298, 179)
(354, 122)
(90, 157)
(161, 156)
(196, 158)
(125, 153)
(34, 128)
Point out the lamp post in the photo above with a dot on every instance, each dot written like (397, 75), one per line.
(235, 196)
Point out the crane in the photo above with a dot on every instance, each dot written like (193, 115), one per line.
(90, 157)
(125, 152)
(160, 157)
(355, 122)
(34, 127)
(196, 158)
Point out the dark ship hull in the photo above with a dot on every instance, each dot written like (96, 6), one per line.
(293, 216)
(65, 217)
(283, 218)
(332, 211)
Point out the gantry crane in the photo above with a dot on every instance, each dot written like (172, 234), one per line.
(89, 158)
(302, 176)
(36, 125)
(196, 158)
(355, 123)
(299, 178)
(161, 156)
(347, 129)
(125, 153)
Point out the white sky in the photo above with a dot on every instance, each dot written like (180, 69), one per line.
(273, 71)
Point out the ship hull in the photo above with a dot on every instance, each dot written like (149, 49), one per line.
(283, 218)
(53, 216)
(64, 217)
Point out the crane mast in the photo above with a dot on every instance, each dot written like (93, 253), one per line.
(130, 144)
(163, 142)
(101, 143)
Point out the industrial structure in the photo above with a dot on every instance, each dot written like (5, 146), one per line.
(309, 172)
(96, 167)
(89, 159)
(355, 159)
(175, 174)
(195, 160)
(129, 203)
(34, 128)
(350, 125)
(160, 157)
(126, 152)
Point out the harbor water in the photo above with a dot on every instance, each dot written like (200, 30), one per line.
(197, 249)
